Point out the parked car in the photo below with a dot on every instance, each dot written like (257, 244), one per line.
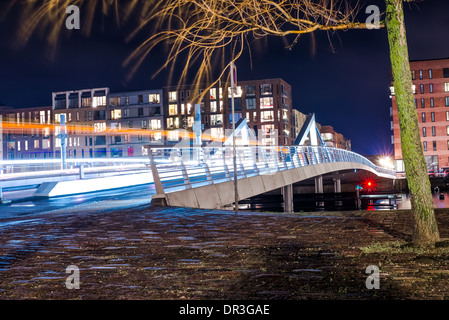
(445, 173)
(431, 173)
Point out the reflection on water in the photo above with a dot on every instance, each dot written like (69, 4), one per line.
(440, 200)
(341, 202)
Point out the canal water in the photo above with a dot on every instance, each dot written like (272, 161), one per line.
(340, 202)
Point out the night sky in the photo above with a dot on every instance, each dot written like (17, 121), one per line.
(346, 84)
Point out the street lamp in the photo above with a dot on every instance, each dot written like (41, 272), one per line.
(233, 89)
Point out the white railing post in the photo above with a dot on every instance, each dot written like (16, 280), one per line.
(155, 172)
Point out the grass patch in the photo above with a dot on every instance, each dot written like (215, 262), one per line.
(397, 247)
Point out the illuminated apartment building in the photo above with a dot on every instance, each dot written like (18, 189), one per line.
(139, 115)
(266, 104)
(431, 88)
(85, 114)
(26, 133)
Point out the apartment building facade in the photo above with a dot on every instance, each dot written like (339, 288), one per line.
(26, 133)
(266, 105)
(334, 139)
(136, 121)
(431, 88)
(101, 123)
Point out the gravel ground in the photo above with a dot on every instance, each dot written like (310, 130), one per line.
(177, 253)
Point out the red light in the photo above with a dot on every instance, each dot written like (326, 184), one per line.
(369, 184)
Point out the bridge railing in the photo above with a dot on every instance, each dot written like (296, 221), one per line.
(183, 168)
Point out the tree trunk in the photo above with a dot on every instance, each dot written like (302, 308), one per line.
(425, 225)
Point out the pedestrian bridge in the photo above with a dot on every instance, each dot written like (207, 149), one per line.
(204, 177)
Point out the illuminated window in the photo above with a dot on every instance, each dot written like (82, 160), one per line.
(154, 98)
(99, 127)
(420, 74)
(116, 114)
(99, 101)
(413, 75)
(237, 93)
(45, 144)
(155, 124)
(169, 123)
(86, 102)
(173, 135)
(446, 87)
(172, 96)
(266, 116)
(190, 121)
(183, 108)
(213, 106)
(213, 93)
(156, 136)
(172, 109)
(216, 119)
(42, 117)
(176, 122)
(268, 129)
(189, 108)
(266, 102)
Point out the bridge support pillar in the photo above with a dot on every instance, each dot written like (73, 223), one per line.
(337, 185)
(319, 190)
(287, 195)
(319, 184)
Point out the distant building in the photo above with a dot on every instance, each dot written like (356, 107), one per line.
(431, 88)
(85, 113)
(266, 104)
(334, 139)
(27, 133)
(101, 123)
(297, 120)
(140, 117)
